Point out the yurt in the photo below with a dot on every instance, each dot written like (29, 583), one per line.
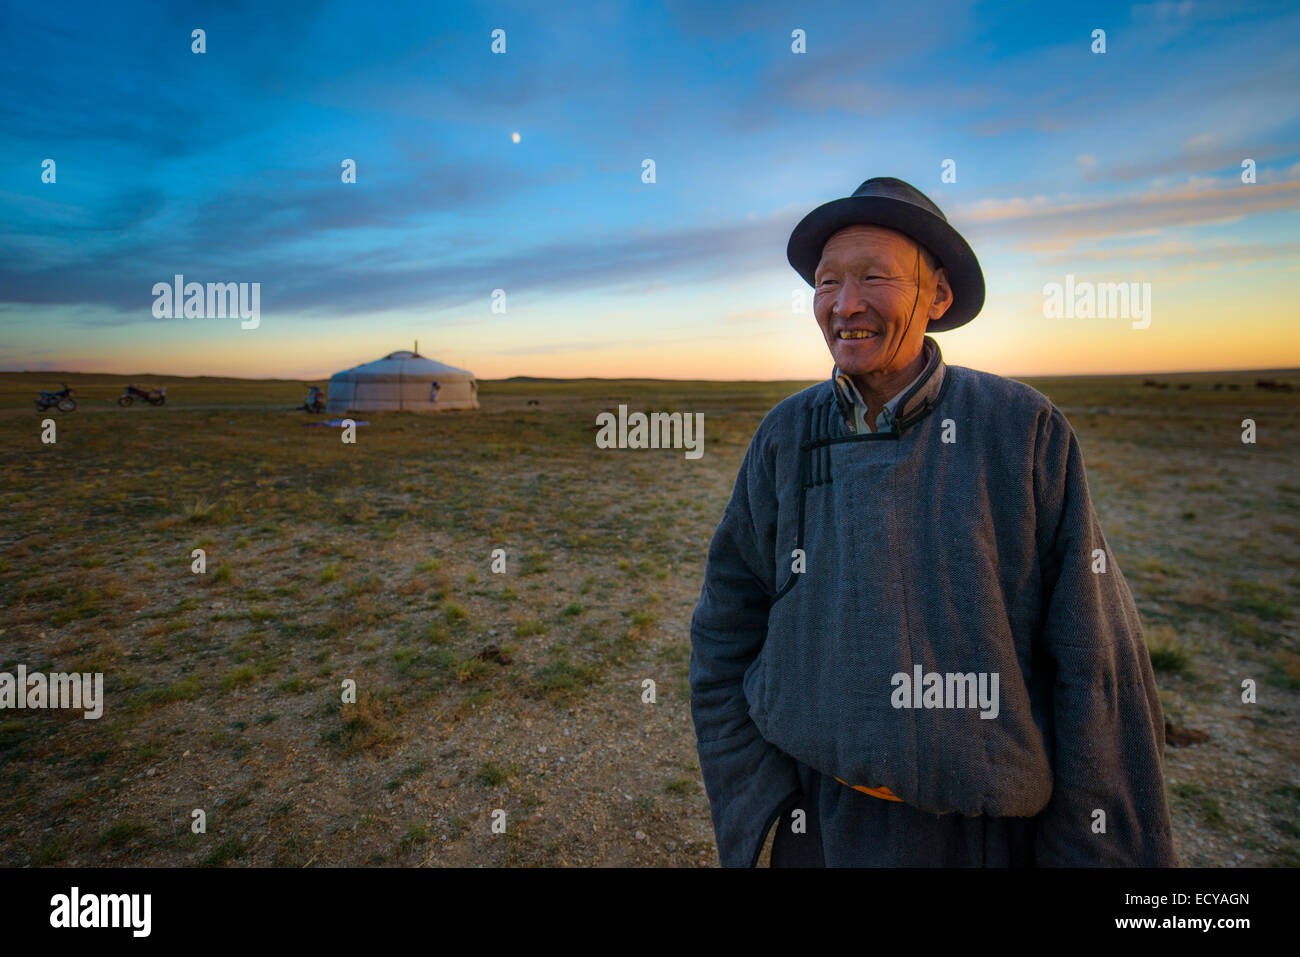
(403, 381)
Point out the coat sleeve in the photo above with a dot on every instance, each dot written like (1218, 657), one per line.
(1107, 737)
(749, 781)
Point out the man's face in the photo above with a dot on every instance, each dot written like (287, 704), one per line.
(863, 292)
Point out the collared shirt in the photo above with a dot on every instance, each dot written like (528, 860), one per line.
(884, 421)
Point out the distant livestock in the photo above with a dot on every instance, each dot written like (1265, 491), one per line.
(1272, 385)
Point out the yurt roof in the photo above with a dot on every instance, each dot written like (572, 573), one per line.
(408, 363)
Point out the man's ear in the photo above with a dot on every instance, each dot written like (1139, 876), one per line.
(943, 297)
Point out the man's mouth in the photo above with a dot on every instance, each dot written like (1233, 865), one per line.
(856, 334)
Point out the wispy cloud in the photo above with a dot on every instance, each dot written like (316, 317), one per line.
(1196, 203)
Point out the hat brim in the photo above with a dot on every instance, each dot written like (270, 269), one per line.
(953, 252)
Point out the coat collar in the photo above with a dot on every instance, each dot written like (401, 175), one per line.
(920, 397)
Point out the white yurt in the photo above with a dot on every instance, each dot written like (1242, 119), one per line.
(403, 381)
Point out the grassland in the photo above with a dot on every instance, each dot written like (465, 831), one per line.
(523, 691)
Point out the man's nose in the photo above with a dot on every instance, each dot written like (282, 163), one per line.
(850, 300)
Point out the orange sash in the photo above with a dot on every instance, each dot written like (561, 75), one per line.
(881, 792)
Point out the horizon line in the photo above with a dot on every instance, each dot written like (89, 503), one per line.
(530, 378)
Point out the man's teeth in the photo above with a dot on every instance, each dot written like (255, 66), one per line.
(856, 334)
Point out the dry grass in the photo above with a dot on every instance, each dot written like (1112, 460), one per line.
(372, 563)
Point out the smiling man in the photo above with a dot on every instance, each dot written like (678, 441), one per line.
(875, 360)
(913, 646)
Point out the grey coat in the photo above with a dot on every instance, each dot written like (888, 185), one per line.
(963, 542)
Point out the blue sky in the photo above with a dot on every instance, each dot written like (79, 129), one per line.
(225, 166)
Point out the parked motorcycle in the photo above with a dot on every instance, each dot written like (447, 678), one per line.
(152, 396)
(315, 401)
(63, 400)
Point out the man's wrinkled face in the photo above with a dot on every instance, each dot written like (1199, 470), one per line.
(863, 294)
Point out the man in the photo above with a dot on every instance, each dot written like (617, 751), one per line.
(913, 646)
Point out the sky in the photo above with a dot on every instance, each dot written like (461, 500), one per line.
(523, 172)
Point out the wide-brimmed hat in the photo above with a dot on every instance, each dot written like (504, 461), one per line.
(886, 201)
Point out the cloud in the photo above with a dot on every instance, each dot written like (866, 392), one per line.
(1201, 142)
(1198, 162)
(1222, 64)
(1175, 251)
(880, 71)
(344, 286)
(1038, 217)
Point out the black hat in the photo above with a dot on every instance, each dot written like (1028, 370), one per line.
(886, 201)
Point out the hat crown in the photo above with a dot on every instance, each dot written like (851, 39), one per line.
(893, 204)
(889, 187)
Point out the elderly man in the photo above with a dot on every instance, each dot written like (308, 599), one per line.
(913, 646)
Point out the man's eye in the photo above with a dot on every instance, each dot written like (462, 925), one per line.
(864, 279)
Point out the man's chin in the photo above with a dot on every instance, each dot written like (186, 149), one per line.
(855, 360)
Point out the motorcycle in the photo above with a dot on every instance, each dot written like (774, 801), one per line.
(62, 400)
(152, 396)
(315, 401)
